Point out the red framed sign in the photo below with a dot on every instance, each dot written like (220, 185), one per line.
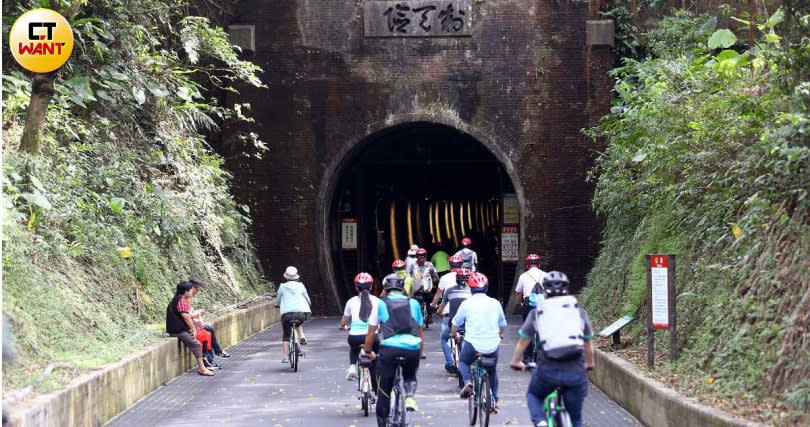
(659, 278)
(348, 234)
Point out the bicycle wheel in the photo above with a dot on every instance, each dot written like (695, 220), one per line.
(403, 413)
(484, 401)
(472, 404)
(563, 418)
(296, 355)
(364, 402)
(293, 355)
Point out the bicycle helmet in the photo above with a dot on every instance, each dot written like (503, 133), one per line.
(555, 284)
(398, 265)
(421, 252)
(466, 242)
(532, 260)
(363, 280)
(393, 282)
(462, 275)
(456, 261)
(478, 283)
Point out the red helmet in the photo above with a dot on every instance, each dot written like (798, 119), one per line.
(478, 282)
(421, 252)
(363, 280)
(456, 261)
(532, 259)
(462, 275)
(398, 264)
(466, 242)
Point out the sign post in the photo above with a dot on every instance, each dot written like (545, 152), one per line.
(661, 308)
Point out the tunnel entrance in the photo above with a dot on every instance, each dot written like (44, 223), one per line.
(425, 184)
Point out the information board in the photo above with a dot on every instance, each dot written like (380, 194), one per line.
(510, 243)
(511, 212)
(659, 265)
(348, 232)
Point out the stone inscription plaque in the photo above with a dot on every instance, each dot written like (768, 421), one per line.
(418, 18)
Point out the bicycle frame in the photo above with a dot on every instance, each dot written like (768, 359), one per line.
(398, 416)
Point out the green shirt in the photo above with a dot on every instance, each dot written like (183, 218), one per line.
(441, 260)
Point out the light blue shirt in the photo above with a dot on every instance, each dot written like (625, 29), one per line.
(482, 318)
(403, 341)
(292, 297)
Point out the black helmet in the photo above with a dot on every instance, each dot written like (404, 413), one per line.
(555, 284)
(393, 282)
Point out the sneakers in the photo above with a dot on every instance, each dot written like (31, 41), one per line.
(285, 360)
(410, 404)
(451, 369)
(351, 373)
(494, 409)
(303, 340)
(466, 391)
(531, 365)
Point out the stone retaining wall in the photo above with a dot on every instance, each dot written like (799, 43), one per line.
(652, 402)
(97, 397)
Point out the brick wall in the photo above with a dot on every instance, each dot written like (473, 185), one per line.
(525, 78)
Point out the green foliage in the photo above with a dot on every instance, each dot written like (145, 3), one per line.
(707, 157)
(127, 198)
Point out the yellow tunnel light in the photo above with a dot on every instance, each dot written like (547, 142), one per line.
(410, 225)
(450, 234)
(469, 215)
(420, 235)
(430, 222)
(453, 222)
(392, 222)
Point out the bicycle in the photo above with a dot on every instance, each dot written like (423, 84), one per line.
(398, 415)
(455, 350)
(295, 346)
(480, 403)
(364, 382)
(556, 414)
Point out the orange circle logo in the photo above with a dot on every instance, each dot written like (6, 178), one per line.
(41, 40)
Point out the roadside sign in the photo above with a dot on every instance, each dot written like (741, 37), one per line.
(661, 309)
(510, 243)
(660, 292)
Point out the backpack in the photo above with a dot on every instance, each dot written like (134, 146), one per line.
(399, 320)
(560, 328)
(467, 256)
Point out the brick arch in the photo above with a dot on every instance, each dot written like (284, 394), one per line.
(351, 145)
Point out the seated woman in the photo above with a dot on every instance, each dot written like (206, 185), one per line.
(196, 315)
(180, 325)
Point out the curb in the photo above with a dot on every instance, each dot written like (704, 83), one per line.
(652, 402)
(97, 397)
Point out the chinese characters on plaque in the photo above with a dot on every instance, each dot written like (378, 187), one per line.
(348, 233)
(418, 18)
(510, 243)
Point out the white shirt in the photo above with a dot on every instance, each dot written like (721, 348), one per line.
(528, 279)
(359, 327)
(446, 282)
(409, 261)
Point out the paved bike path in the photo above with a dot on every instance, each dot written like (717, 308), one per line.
(254, 388)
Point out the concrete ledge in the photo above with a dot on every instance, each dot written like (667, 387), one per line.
(97, 397)
(652, 402)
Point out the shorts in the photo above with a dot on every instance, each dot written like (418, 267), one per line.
(288, 318)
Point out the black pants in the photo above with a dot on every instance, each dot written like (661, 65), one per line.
(386, 369)
(425, 298)
(528, 354)
(214, 343)
(355, 341)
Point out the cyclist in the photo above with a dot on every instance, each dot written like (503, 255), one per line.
(568, 374)
(529, 283)
(446, 282)
(469, 255)
(359, 309)
(423, 274)
(483, 322)
(398, 266)
(400, 320)
(451, 300)
(295, 305)
(411, 258)
(441, 260)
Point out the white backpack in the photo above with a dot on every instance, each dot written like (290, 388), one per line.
(560, 328)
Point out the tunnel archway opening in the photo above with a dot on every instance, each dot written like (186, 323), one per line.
(426, 184)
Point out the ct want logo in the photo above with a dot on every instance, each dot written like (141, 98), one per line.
(41, 40)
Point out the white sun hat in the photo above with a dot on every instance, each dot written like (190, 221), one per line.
(291, 273)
